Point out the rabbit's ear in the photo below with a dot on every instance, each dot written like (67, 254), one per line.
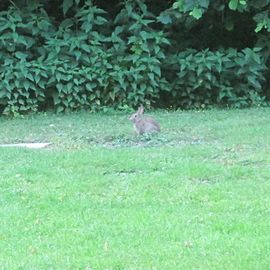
(141, 109)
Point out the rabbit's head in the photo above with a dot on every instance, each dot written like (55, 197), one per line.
(135, 117)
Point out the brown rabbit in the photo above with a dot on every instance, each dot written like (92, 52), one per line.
(142, 124)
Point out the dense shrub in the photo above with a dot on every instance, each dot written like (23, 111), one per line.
(78, 61)
(137, 55)
(22, 85)
(87, 57)
(89, 69)
(23, 72)
(206, 78)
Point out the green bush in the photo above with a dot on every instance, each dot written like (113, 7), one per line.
(137, 53)
(78, 61)
(205, 78)
(87, 58)
(22, 86)
(89, 69)
(23, 74)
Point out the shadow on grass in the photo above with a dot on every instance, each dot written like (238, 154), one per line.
(156, 140)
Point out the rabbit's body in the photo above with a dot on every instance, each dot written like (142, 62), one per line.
(142, 124)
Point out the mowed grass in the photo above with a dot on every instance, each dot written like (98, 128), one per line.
(195, 196)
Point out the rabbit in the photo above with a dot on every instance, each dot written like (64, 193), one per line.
(142, 124)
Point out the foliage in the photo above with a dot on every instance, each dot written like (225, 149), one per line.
(223, 77)
(22, 86)
(78, 62)
(23, 74)
(72, 54)
(137, 54)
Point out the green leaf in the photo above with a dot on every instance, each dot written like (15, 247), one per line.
(144, 35)
(21, 55)
(112, 95)
(58, 76)
(30, 77)
(132, 39)
(164, 18)
(86, 48)
(69, 87)
(260, 26)
(176, 5)
(26, 85)
(196, 13)
(229, 25)
(17, 83)
(233, 4)
(3, 94)
(59, 87)
(204, 3)
(77, 54)
(59, 109)
(92, 97)
(67, 4)
(76, 81)
(156, 70)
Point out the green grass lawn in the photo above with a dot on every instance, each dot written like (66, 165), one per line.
(195, 196)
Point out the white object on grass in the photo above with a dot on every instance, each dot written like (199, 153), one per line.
(26, 145)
